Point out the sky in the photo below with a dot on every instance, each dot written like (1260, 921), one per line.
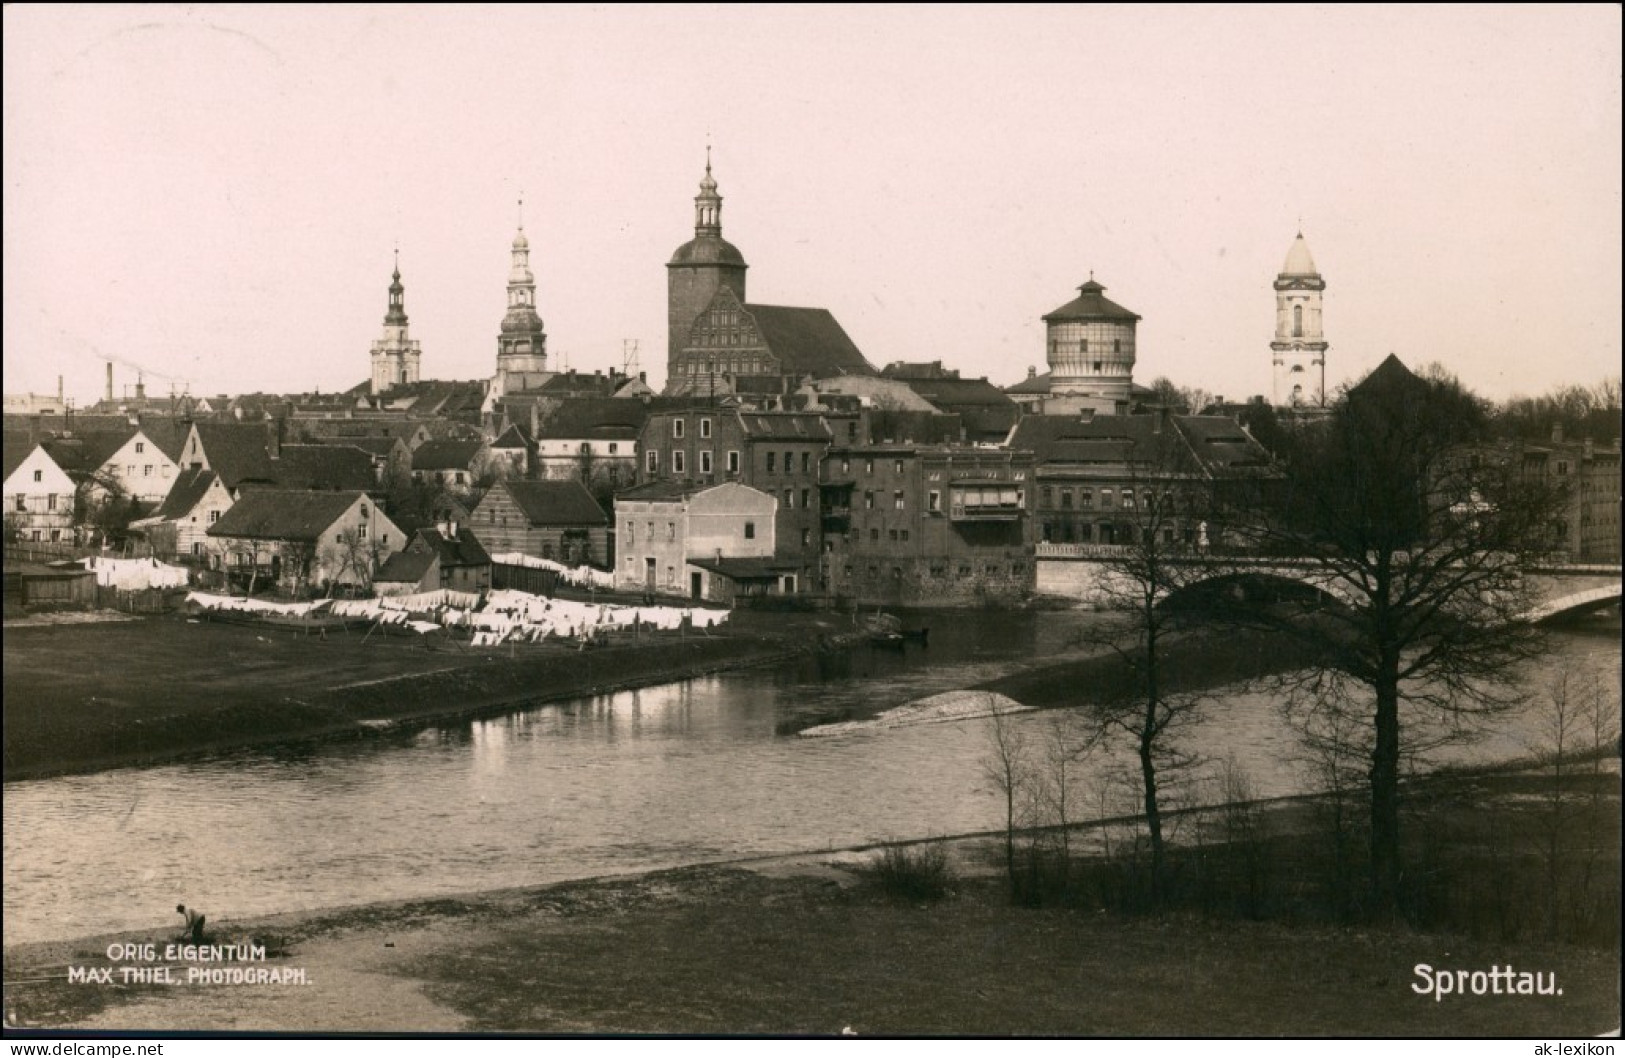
(212, 196)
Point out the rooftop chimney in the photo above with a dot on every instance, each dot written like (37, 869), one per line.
(140, 388)
(273, 438)
(1557, 433)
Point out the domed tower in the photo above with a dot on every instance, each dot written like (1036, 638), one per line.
(699, 268)
(395, 357)
(522, 344)
(1298, 352)
(1091, 346)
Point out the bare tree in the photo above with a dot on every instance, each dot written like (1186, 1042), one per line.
(1008, 768)
(1418, 539)
(354, 552)
(1159, 527)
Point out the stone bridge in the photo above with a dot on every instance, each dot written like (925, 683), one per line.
(1084, 572)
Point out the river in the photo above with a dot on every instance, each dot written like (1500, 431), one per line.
(702, 770)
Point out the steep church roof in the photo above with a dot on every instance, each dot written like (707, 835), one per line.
(808, 341)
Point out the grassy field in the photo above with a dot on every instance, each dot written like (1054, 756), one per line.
(804, 948)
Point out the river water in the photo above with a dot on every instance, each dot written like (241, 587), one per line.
(702, 770)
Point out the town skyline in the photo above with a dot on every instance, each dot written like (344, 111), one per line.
(214, 196)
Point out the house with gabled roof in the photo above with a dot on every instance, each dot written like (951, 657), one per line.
(38, 492)
(447, 557)
(179, 527)
(455, 464)
(594, 440)
(304, 540)
(253, 455)
(557, 520)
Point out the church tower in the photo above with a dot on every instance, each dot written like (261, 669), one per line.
(699, 268)
(522, 344)
(1298, 352)
(395, 356)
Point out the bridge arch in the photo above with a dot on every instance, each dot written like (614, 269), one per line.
(1576, 602)
(1262, 585)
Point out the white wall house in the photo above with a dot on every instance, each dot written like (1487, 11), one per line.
(140, 467)
(38, 496)
(663, 527)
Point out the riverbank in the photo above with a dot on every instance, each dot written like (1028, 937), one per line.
(90, 696)
(809, 944)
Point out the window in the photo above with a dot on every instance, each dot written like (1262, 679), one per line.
(38, 475)
(1106, 498)
(1297, 321)
(806, 464)
(214, 516)
(671, 530)
(140, 447)
(197, 547)
(677, 427)
(1086, 498)
(897, 466)
(874, 535)
(705, 427)
(868, 466)
(905, 536)
(50, 502)
(1562, 468)
(1066, 499)
(146, 471)
(806, 498)
(1083, 345)
(733, 462)
(934, 500)
(806, 537)
(678, 463)
(789, 462)
(789, 499)
(897, 500)
(750, 530)
(846, 466)
(770, 457)
(22, 502)
(1046, 497)
(891, 534)
(459, 477)
(631, 534)
(705, 461)
(869, 501)
(1128, 499)
(614, 448)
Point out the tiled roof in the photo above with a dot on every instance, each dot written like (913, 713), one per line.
(324, 467)
(15, 448)
(190, 487)
(404, 567)
(236, 451)
(1214, 443)
(555, 502)
(808, 341)
(512, 437)
(656, 491)
(1091, 304)
(465, 550)
(1035, 384)
(783, 426)
(744, 568)
(584, 418)
(284, 514)
(446, 455)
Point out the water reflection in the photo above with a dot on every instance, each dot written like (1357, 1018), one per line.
(613, 783)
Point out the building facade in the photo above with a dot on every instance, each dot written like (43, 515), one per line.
(521, 342)
(700, 542)
(1090, 346)
(927, 524)
(556, 520)
(699, 269)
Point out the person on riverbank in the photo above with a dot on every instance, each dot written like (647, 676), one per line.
(194, 923)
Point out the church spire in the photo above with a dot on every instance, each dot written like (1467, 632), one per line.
(708, 204)
(396, 316)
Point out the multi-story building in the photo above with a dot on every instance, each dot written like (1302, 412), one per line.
(776, 452)
(1096, 475)
(38, 493)
(927, 524)
(711, 542)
